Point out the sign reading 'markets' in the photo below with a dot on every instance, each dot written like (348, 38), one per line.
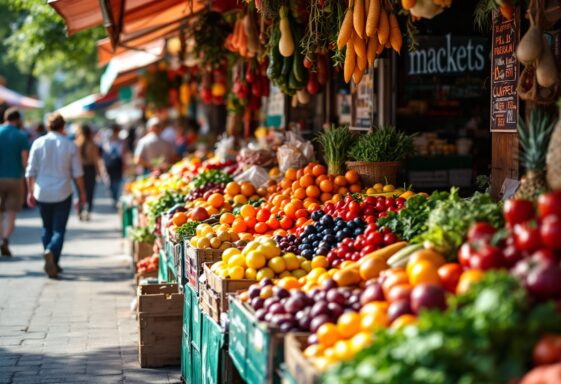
(448, 55)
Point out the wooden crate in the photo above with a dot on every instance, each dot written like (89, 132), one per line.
(299, 367)
(160, 323)
(142, 250)
(224, 286)
(212, 303)
(194, 260)
(145, 275)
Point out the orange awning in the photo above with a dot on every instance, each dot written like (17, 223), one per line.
(78, 14)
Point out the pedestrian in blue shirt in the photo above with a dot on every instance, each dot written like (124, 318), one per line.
(14, 149)
(54, 161)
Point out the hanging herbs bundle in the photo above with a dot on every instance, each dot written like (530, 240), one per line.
(384, 144)
(210, 32)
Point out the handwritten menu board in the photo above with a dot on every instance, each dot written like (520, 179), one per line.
(504, 74)
(363, 107)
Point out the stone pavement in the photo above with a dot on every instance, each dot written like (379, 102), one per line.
(80, 328)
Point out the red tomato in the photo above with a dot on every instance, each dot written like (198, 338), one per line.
(390, 238)
(550, 231)
(375, 238)
(549, 204)
(486, 257)
(450, 275)
(518, 211)
(464, 255)
(481, 231)
(512, 255)
(354, 207)
(547, 350)
(263, 215)
(527, 236)
(286, 223)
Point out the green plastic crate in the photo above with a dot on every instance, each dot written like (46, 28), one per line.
(255, 348)
(163, 268)
(196, 320)
(186, 341)
(126, 218)
(196, 372)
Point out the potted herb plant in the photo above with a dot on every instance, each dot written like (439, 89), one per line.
(336, 142)
(377, 156)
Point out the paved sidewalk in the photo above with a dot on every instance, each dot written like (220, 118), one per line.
(78, 329)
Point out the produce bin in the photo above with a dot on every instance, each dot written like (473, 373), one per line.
(126, 217)
(256, 348)
(223, 287)
(194, 259)
(160, 319)
(186, 336)
(163, 267)
(297, 366)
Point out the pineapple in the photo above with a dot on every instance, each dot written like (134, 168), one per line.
(534, 139)
(554, 157)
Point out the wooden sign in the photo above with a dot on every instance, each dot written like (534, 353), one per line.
(363, 108)
(504, 73)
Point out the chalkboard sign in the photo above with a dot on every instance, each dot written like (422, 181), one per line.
(504, 73)
(363, 107)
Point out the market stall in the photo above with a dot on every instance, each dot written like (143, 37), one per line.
(330, 231)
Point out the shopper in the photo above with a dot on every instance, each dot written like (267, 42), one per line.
(14, 148)
(53, 162)
(152, 152)
(114, 150)
(89, 155)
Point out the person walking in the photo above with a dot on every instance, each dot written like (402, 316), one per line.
(152, 152)
(14, 148)
(89, 155)
(114, 150)
(53, 162)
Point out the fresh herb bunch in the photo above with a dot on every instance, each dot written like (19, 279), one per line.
(411, 221)
(142, 235)
(336, 142)
(450, 220)
(209, 176)
(187, 230)
(383, 144)
(485, 336)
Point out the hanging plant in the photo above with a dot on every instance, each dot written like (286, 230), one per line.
(210, 32)
(484, 10)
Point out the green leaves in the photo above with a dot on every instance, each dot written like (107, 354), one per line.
(335, 141)
(383, 144)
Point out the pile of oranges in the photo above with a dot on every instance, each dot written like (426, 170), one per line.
(241, 193)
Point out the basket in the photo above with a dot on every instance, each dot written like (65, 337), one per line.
(375, 172)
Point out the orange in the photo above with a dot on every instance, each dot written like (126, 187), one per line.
(467, 279)
(232, 188)
(295, 185)
(239, 225)
(313, 191)
(355, 188)
(179, 219)
(216, 200)
(372, 267)
(247, 189)
(273, 223)
(290, 210)
(375, 307)
(325, 196)
(328, 334)
(403, 321)
(250, 221)
(289, 282)
(423, 271)
(318, 170)
(340, 181)
(308, 168)
(260, 228)
(300, 193)
(301, 213)
(285, 183)
(227, 218)
(240, 199)
(343, 350)
(342, 191)
(371, 321)
(348, 324)
(290, 174)
(336, 197)
(426, 254)
(300, 221)
(306, 181)
(247, 210)
(321, 178)
(313, 207)
(326, 186)
(394, 277)
(352, 177)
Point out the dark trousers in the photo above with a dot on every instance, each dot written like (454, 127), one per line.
(55, 217)
(89, 184)
(115, 187)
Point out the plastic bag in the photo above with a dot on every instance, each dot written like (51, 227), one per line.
(255, 174)
(296, 153)
(224, 149)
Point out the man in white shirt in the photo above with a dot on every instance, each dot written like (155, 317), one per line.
(152, 152)
(53, 163)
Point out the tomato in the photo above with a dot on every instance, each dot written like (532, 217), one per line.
(467, 279)
(464, 254)
(285, 223)
(486, 257)
(518, 211)
(375, 238)
(450, 275)
(527, 236)
(549, 204)
(544, 256)
(380, 206)
(354, 207)
(512, 255)
(547, 350)
(370, 200)
(550, 231)
(263, 215)
(390, 238)
(423, 272)
(481, 231)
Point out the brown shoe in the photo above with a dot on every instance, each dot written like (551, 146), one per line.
(4, 249)
(50, 266)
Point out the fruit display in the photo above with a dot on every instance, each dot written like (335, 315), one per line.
(368, 208)
(148, 264)
(219, 236)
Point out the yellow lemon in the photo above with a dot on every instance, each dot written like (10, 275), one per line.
(292, 263)
(298, 273)
(250, 273)
(320, 262)
(229, 253)
(269, 250)
(203, 242)
(251, 246)
(255, 259)
(236, 272)
(388, 188)
(265, 272)
(370, 191)
(306, 265)
(277, 264)
(237, 260)
(360, 341)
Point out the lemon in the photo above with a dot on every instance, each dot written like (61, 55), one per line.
(298, 273)
(214, 267)
(203, 242)
(255, 259)
(250, 273)
(378, 186)
(265, 272)
(388, 188)
(215, 242)
(236, 272)
(269, 250)
(193, 241)
(237, 261)
(306, 265)
(229, 253)
(291, 261)
(251, 246)
(343, 350)
(223, 273)
(277, 264)
(320, 262)
(285, 274)
(370, 191)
